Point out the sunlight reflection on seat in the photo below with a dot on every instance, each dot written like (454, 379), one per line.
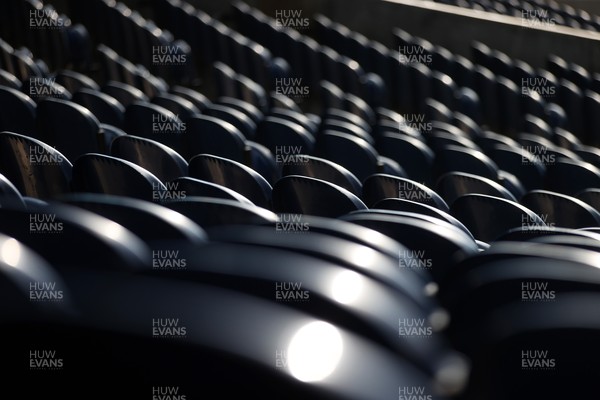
(315, 351)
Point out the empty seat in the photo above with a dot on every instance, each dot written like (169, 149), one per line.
(150, 222)
(103, 243)
(210, 211)
(248, 109)
(434, 247)
(415, 157)
(460, 159)
(278, 134)
(296, 194)
(183, 108)
(69, 127)
(326, 170)
(570, 177)
(154, 122)
(233, 175)
(349, 151)
(380, 186)
(488, 217)
(75, 81)
(528, 167)
(97, 173)
(124, 93)
(186, 186)
(408, 206)
(237, 118)
(455, 184)
(561, 210)
(197, 98)
(36, 169)
(162, 161)
(210, 135)
(17, 111)
(43, 88)
(104, 107)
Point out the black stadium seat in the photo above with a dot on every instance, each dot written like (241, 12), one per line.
(488, 217)
(295, 194)
(258, 200)
(79, 136)
(561, 210)
(97, 173)
(157, 158)
(36, 169)
(233, 175)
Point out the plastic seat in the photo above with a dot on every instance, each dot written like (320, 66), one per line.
(262, 161)
(150, 222)
(278, 134)
(8, 192)
(17, 111)
(9, 80)
(75, 81)
(233, 116)
(69, 127)
(18, 278)
(488, 140)
(509, 101)
(418, 209)
(537, 126)
(349, 151)
(209, 211)
(488, 217)
(102, 243)
(348, 117)
(591, 104)
(104, 107)
(124, 93)
(160, 160)
(233, 175)
(409, 151)
(570, 177)
(434, 247)
(487, 90)
(561, 210)
(319, 168)
(197, 98)
(336, 125)
(36, 169)
(469, 104)
(39, 89)
(438, 139)
(591, 197)
(297, 194)
(460, 159)
(296, 117)
(248, 109)
(455, 184)
(566, 328)
(330, 248)
(442, 88)
(154, 122)
(97, 173)
(544, 149)
(589, 154)
(186, 186)
(210, 135)
(181, 107)
(380, 186)
(570, 98)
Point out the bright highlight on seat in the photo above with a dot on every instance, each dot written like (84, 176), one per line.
(315, 351)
